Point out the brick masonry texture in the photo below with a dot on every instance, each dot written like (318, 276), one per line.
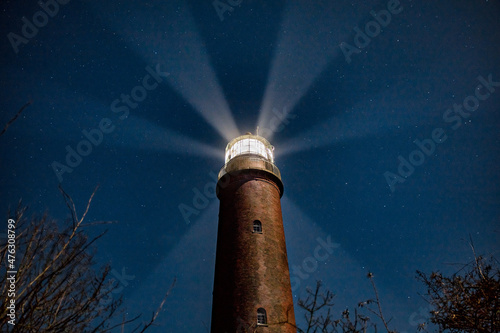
(251, 269)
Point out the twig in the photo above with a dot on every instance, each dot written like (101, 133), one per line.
(68, 200)
(97, 223)
(471, 244)
(380, 314)
(88, 205)
(122, 324)
(15, 117)
(70, 239)
(155, 315)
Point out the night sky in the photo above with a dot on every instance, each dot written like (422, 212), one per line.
(383, 114)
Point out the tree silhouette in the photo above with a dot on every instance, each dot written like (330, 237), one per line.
(317, 307)
(467, 301)
(57, 288)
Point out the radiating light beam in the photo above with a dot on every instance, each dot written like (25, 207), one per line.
(335, 266)
(372, 117)
(308, 40)
(192, 261)
(142, 134)
(339, 128)
(338, 269)
(171, 40)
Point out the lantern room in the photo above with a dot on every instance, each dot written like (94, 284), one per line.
(250, 144)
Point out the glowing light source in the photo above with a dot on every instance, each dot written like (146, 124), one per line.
(249, 144)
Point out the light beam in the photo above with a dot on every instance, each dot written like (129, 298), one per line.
(307, 42)
(192, 261)
(142, 134)
(335, 267)
(372, 117)
(174, 43)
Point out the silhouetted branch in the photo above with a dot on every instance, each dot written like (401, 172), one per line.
(157, 312)
(467, 302)
(58, 288)
(379, 313)
(15, 117)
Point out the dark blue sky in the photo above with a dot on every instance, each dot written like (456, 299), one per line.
(162, 86)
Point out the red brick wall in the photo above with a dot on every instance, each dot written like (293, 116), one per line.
(251, 269)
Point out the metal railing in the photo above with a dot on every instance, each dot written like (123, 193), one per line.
(249, 161)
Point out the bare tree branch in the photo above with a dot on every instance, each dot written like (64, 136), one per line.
(160, 307)
(466, 302)
(15, 117)
(58, 288)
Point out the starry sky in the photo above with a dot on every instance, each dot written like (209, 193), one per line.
(383, 114)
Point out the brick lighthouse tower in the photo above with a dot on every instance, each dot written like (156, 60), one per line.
(252, 291)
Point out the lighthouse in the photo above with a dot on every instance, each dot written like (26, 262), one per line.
(252, 291)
